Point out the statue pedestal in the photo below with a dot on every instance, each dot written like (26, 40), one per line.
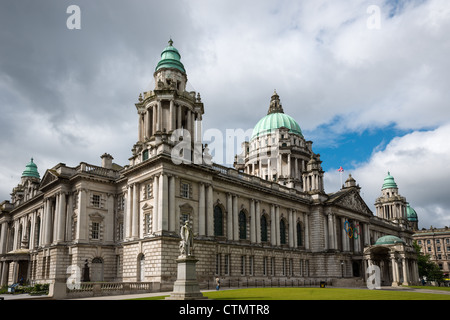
(186, 286)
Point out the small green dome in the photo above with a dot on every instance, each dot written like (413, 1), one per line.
(170, 58)
(411, 214)
(31, 170)
(389, 182)
(389, 240)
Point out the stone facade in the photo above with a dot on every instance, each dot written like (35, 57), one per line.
(267, 218)
(435, 242)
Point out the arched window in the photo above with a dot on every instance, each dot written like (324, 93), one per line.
(299, 235)
(282, 232)
(242, 225)
(218, 221)
(263, 228)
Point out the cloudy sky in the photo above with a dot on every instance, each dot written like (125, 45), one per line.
(368, 82)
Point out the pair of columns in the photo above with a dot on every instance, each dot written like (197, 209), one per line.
(331, 238)
(205, 210)
(55, 222)
(152, 120)
(410, 269)
(164, 212)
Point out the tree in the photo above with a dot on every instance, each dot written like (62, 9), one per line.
(427, 268)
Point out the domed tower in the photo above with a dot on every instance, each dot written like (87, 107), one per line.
(277, 151)
(28, 186)
(168, 108)
(391, 205)
(412, 217)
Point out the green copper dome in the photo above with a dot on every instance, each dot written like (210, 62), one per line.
(411, 214)
(389, 182)
(389, 240)
(170, 58)
(31, 170)
(275, 119)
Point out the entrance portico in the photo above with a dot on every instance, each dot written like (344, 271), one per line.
(396, 260)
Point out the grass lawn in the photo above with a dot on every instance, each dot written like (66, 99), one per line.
(321, 294)
(318, 294)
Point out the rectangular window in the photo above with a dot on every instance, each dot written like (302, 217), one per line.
(148, 223)
(96, 200)
(145, 155)
(185, 192)
(148, 190)
(95, 230)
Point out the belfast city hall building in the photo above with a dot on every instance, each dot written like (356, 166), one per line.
(266, 218)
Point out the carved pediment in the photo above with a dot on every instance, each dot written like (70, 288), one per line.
(49, 177)
(353, 201)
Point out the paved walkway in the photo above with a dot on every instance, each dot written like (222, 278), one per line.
(156, 294)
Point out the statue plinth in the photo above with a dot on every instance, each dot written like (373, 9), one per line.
(186, 286)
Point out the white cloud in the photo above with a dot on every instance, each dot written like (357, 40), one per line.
(74, 92)
(419, 163)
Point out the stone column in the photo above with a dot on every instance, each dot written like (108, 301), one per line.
(252, 221)
(128, 213)
(273, 233)
(306, 219)
(189, 123)
(201, 210)
(406, 278)
(155, 119)
(56, 218)
(230, 216)
(395, 277)
(156, 212)
(81, 222)
(135, 218)
(235, 219)
(344, 235)
(159, 116)
(331, 231)
(61, 217)
(69, 214)
(291, 228)
(179, 116)
(258, 221)
(294, 227)
(172, 214)
(3, 231)
(171, 115)
(163, 210)
(356, 247)
(4, 275)
(48, 223)
(277, 224)
(209, 211)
